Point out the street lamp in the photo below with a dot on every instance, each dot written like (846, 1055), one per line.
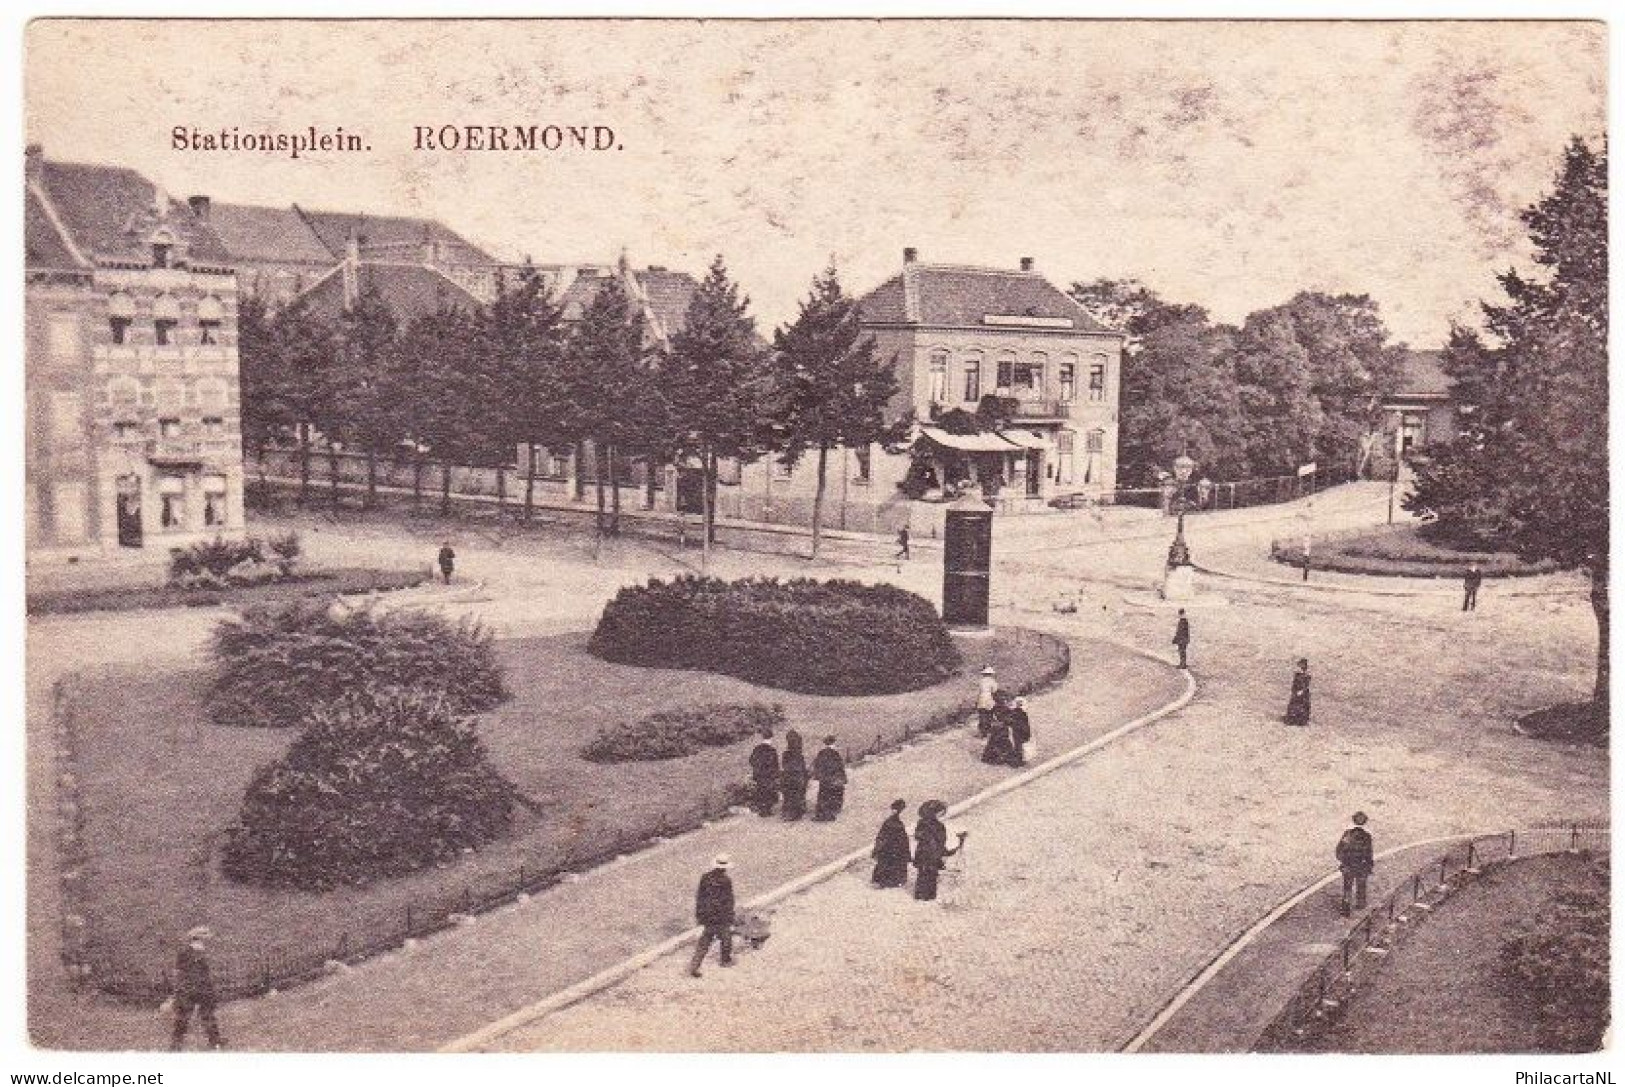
(1179, 553)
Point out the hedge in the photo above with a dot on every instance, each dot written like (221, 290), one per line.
(1556, 967)
(274, 664)
(672, 734)
(816, 637)
(220, 562)
(378, 784)
(1405, 552)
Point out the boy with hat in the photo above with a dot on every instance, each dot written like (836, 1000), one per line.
(714, 910)
(1356, 858)
(194, 989)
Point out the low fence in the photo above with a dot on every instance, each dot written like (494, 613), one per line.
(1323, 998)
(1238, 494)
(92, 963)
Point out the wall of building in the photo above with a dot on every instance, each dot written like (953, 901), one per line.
(61, 504)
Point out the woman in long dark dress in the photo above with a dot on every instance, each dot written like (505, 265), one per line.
(1297, 706)
(1021, 732)
(931, 849)
(1000, 749)
(793, 777)
(891, 852)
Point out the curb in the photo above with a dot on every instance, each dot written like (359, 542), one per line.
(619, 972)
(1363, 590)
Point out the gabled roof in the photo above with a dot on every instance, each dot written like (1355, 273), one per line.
(665, 296)
(409, 290)
(1424, 375)
(110, 213)
(255, 233)
(43, 243)
(962, 297)
(402, 235)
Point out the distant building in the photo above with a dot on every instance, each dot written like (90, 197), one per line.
(1422, 410)
(959, 335)
(132, 416)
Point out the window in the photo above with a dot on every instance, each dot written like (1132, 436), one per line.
(1069, 381)
(1063, 443)
(214, 501)
(163, 330)
(1097, 381)
(169, 428)
(172, 510)
(973, 380)
(1097, 441)
(120, 315)
(208, 332)
(1028, 379)
(558, 464)
(120, 327)
(1007, 374)
(209, 316)
(126, 429)
(865, 464)
(213, 426)
(939, 377)
(160, 254)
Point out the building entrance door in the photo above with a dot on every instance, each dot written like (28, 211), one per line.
(129, 514)
(1035, 472)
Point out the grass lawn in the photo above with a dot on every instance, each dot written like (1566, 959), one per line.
(1405, 551)
(311, 583)
(158, 785)
(1440, 991)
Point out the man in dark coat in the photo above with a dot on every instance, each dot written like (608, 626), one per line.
(1356, 857)
(891, 852)
(902, 543)
(793, 778)
(764, 774)
(1182, 636)
(447, 559)
(829, 770)
(714, 910)
(1470, 583)
(194, 989)
(1297, 705)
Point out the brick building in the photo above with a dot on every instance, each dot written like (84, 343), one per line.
(130, 315)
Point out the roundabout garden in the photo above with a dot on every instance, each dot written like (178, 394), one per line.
(1422, 551)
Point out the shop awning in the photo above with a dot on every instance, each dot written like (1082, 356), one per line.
(985, 442)
(1026, 439)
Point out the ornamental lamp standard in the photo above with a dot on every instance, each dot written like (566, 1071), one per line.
(1179, 553)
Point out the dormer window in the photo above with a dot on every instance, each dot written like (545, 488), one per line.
(160, 254)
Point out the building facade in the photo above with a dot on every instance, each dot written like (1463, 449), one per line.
(132, 416)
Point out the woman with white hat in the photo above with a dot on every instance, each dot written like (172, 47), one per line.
(985, 703)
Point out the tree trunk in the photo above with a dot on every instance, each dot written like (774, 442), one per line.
(502, 494)
(650, 467)
(1599, 605)
(445, 488)
(304, 467)
(818, 499)
(579, 466)
(598, 484)
(613, 460)
(530, 482)
(372, 477)
(333, 476)
(417, 481)
(708, 468)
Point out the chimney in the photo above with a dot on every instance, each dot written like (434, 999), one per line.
(1026, 264)
(910, 255)
(33, 162)
(200, 206)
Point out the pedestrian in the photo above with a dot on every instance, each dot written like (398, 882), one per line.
(1356, 858)
(985, 705)
(764, 774)
(1021, 731)
(714, 910)
(793, 778)
(1470, 583)
(1297, 706)
(1000, 748)
(830, 770)
(891, 852)
(1182, 637)
(448, 559)
(931, 849)
(194, 990)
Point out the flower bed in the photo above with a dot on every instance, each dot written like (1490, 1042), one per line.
(1406, 551)
(305, 585)
(672, 734)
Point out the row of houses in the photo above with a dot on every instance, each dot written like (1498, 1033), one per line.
(133, 400)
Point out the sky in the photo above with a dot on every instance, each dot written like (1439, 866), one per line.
(1226, 164)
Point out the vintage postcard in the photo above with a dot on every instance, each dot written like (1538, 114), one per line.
(817, 536)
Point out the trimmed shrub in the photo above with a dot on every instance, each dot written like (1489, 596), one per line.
(1557, 967)
(378, 784)
(817, 637)
(1402, 552)
(276, 663)
(221, 562)
(672, 734)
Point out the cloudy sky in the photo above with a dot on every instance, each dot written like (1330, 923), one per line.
(1227, 164)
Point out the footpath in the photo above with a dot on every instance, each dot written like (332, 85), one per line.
(428, 995)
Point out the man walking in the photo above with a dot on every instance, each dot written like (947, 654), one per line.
(902, 543)
(714, 910)
(447, 559)
(1356, 858)
(829, 769)
(1182, 636)
(1470, 583)
(764, 774)
(194, 990)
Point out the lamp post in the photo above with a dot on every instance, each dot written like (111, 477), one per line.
(1178, 580)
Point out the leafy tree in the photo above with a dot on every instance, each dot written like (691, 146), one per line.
(366, 412)
(1530, 469)
(716, 382)
(523, 342)
(444, 400)
(829, 388)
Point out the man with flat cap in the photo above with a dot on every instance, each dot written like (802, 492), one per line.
(829, 770)
(1356, 858)
(194, 990)
(714, 910)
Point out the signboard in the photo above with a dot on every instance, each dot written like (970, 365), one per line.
(1307, 469)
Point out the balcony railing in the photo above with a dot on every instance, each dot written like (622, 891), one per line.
(1042, 409)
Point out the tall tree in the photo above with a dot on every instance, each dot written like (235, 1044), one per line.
(523, 342)
(1530, 469)
(717, 384)
(359, 385)
(829, 388)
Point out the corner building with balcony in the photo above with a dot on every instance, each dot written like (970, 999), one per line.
(133, 435)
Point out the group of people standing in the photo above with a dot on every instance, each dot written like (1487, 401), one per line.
(775, 778)
(1002, 720)
(929, 851)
